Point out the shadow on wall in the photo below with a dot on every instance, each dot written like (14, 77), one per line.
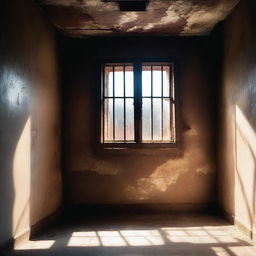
(29, 114)
(245, 177)
(15, 151)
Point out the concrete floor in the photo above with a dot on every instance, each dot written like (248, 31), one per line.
(138, 235)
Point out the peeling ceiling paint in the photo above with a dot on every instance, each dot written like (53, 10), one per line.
(162, 17)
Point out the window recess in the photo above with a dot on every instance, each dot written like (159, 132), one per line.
(138, 103)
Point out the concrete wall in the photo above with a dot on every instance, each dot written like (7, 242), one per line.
(237, 177)
(30, 179)
(183, 176)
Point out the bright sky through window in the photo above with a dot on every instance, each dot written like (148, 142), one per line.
(155, 98)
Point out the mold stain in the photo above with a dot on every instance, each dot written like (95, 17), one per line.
(168, 173)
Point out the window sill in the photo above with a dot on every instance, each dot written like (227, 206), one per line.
(138, 145)
(162, 149)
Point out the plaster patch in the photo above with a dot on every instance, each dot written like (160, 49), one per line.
(170, 18)
(205, 170)
(159, 181)
(128, 17)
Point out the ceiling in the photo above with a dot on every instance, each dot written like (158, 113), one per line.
(80, 18)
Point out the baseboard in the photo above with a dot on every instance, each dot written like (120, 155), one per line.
(32, 230)
(45, 222)
(246, 231)
(140, 208)
(228, 216)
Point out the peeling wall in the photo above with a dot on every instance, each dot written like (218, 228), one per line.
(238, 121)
(30, 180)
(183, 175)
(162, 17)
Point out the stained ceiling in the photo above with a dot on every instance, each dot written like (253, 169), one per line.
(79, 18)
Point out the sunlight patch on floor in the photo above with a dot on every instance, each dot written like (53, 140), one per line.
(218, 240)
(36, 245)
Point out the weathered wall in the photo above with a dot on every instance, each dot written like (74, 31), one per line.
(96, 176)
(238, 138)
(30, 181)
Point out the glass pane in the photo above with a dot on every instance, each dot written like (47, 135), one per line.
(119, 81)
(146, 119)
(166, 81)
(129, 119)
(108, 119)
(172, 83)
(108, 79)
(119, 119)
(129, 84)
(173, 134)
(166, 119)
(157, 119)
(157, 81)
(146, 81)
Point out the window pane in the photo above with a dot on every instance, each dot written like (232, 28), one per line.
(119, 119)
(157, 119)
(158, 111)
(146, 81)
(172, 83)
(157, 81)
(166, 81)
(129, 81)
(119, 81)
(108, 119)
(146, 119)
(108, 79)
(129, 119)
(173, 129)
(166, 119)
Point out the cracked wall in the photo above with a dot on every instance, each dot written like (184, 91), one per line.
(163, 17)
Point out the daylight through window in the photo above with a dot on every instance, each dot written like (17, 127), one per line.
(138, 103)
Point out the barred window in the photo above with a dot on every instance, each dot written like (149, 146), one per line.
(138, 103)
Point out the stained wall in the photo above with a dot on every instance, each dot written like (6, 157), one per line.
(237, 173)
(184, 176)
(30, 178)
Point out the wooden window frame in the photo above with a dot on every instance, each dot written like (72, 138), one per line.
(137, 66)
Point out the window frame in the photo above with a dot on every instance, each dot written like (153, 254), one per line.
(137, 65)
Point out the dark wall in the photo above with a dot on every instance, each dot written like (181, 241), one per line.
(238, 120)
(185, 175)
(30, 180)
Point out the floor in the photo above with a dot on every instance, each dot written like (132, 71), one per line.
(137, 235)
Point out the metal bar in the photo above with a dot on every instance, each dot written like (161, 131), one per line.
(146, 97)
(159, 97)
(124, 106)
(114, 128)
(171, 94)
(137, 102)
(103, 106)
(152, 121)
(120, 97)
(162, 106)
(140, 101)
